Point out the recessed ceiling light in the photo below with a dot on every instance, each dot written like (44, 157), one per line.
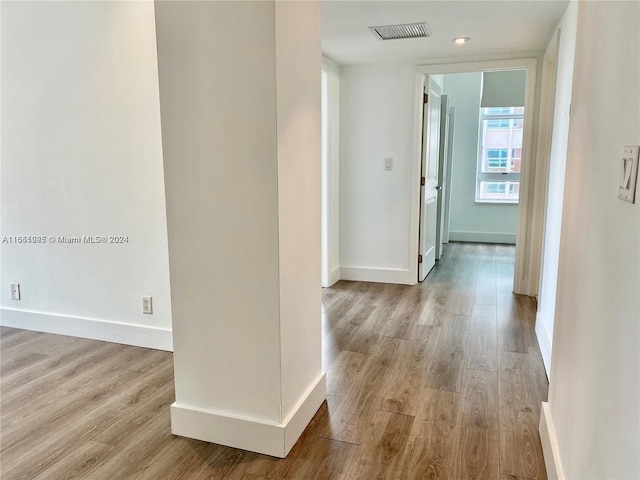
(461, 40)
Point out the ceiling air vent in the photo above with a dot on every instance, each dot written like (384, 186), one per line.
(395, 32)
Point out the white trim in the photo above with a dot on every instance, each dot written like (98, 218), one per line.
(522, 276)
(256, 435)
(544, 341)
(334, 276)
(477, 59)
(96, 329)
(521, 281)
(332, 172)
(324, 174)
(329, 64)
(447, 190)
(482, 237)
(379, 275)
(414, 226)
(546, 119)
(303, 412)
(479, 66)
(550, 444)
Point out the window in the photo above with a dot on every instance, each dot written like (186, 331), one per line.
(496, 158)
(499, 191)
(497, 110)
(504, 123)
(499, 154)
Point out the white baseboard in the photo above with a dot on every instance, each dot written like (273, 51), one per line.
(544, 340)
(302, 413)
(268, 438)
(334, 276)
(108, 331)
(482, 237)
(378, 275)
(550, 445)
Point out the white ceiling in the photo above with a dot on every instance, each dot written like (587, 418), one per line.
(495, 28)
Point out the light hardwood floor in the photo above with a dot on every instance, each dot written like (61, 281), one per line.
(440, 380)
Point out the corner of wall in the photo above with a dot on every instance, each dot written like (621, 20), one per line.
(544, 341)
(550, 444)
(268, 438)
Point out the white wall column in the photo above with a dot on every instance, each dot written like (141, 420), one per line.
(240, 110)
(555, 181)
(332, 180)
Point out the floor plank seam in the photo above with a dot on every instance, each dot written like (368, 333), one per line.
(339, 441)
(480, 369)
(395, 413)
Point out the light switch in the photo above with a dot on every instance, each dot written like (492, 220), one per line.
(628, 173)
(388, 163)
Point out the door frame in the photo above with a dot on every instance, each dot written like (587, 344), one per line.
(430, 135)
(331, 175)
(523, 283)
(443, 174)
(447, 192)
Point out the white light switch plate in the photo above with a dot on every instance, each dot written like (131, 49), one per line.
(628, 173)
(388, 163)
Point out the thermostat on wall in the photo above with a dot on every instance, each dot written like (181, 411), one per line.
(628, 174)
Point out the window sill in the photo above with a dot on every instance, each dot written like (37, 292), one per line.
(497, 202)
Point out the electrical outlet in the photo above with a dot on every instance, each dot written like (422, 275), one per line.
(147, 305)
(15, 291)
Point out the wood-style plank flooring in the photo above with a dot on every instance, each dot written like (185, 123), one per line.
(440, 380)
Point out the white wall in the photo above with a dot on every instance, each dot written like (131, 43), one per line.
(222, 212)
(468, 220)
(376, 122)
(81, 155)
(594, 394)
(298, 65)
(332, 70)
(242, 167)
(556, 180)
(439, 79)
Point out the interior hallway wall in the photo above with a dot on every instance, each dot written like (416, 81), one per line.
(376, 122)
(594, 392)
(82, 156)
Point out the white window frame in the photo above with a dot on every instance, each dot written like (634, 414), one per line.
(495, 177)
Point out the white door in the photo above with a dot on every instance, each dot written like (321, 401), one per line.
(442, 173)
(446, 187)
(429, 180)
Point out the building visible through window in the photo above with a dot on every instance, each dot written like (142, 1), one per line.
(499, 154)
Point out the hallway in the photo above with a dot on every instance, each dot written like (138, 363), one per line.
(439, 380)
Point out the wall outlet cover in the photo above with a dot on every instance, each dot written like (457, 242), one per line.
(147, 305)
(15, 291)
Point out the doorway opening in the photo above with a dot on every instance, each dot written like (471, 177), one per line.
(494, 137)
